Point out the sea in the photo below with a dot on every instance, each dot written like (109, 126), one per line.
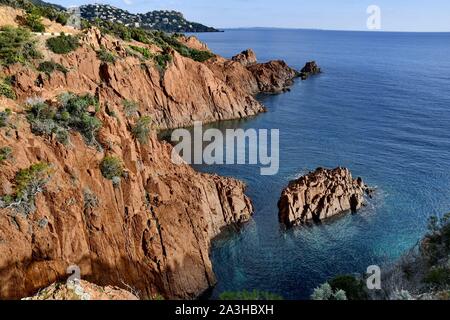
(381, 108)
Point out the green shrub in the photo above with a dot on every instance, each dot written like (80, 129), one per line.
(62, 18)
(63, 43)
(72, 113)
(27, 184)
(141, 129)
(33, 20)
(130, 108)
(6, 90)
(254, 295)
(438, 276)
(111, 167)
(48, 67)
(200, 56)
(145, 52)
(4, 117)
(353, 288)
(106, 56)
(325, 292)
(162, 60)
(17, 45)
(5, 154)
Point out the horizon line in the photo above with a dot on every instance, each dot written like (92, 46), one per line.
(320, 29)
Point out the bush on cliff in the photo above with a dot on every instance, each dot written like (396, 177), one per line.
(162, 60)
(63, 43)
(4, 117)
(353, 288)
(73, 113)
(33, 20)
(6, 90)
(111, 167)
(145, 52)
(130, 108)
(5, 154)
(48, 67)
(106, 56)
(141, 130)
(27, 184)
(326, 292)
(17, 45)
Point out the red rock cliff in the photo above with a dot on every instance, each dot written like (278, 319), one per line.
(152, 233)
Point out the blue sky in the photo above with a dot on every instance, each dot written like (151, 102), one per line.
(396, 15)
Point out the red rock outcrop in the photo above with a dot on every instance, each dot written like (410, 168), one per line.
(82, 290)
(320, 195)
(246, 58)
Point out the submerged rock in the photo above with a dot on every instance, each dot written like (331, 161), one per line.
(320, 195)
(311, 68)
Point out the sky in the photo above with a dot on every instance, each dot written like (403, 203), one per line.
(395, 15)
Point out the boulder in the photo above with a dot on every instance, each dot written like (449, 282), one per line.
(311, 68)
(320, 195)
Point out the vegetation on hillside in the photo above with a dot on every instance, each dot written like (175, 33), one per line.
(74, 112)
(48, 67)
(423, 273)
(5, 154)
(33, 20)
(326, 292)
(63, 43)
(17, 45)
(106, 56)
(27, 184)
(112, 169)
(4, 117)
(141, 130)
(40, 9)
(161, 60)
(159, 38)
(6, 90)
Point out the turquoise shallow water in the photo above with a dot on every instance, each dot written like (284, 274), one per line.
(382, 109)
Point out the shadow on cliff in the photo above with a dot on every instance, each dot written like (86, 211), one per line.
(137, 277)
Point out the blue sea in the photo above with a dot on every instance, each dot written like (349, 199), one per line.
(380, 108)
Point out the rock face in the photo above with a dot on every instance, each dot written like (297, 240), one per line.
(82, 290)
(273, 76)
(246, 58)
(243, 73)
(310, 69)
(152, 232)
(320, 195)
